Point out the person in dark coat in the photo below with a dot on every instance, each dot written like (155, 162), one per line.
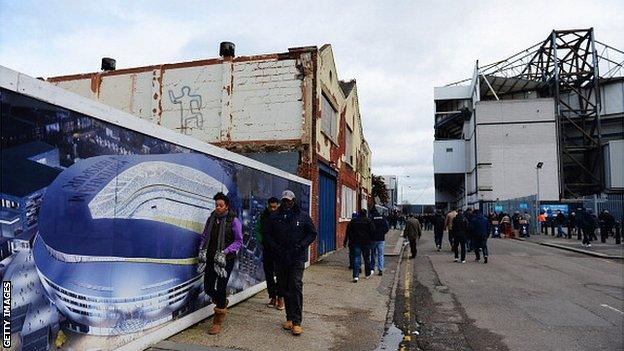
(479, 231)
(288, 233)
(378, 243)
(268, 260)
(607, 221)
(349, 244)
(360, 232)
(589, 222)
(560, 220)
(460, 231)
(438, 228)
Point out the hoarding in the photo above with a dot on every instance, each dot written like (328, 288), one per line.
(102, 214)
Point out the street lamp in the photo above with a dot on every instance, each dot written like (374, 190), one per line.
(537, 198)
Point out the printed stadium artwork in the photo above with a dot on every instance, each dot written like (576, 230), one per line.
(101, 225)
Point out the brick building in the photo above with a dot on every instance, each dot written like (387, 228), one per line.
(289, 110)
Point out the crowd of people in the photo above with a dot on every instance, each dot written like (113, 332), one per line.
(284, 233)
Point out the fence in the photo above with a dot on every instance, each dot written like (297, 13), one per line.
(520, 204)
(614, 203)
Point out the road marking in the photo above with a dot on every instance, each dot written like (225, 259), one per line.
(612, 308)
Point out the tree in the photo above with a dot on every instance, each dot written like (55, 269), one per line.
(379, 190)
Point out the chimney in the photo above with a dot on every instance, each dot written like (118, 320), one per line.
(108, 64)
(226, 49)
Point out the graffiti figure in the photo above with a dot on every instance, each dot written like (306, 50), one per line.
(191, 103)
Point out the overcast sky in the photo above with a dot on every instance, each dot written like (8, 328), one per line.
(397, 51)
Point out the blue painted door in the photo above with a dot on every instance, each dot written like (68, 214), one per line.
(327, 212)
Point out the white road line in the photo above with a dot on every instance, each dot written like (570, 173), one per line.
(611, 308)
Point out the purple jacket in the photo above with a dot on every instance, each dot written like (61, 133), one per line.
(237, 230)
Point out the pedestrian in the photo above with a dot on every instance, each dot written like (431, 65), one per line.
(589, 227)
(360, 232)
(571, 224)
(413, 231)
(438, 228)
(515, 221)
(448, 225)
(460, 228)
(468, 215)
(526, 224)
(220, 241)
(347, 243)
(378, 244)
(506, 226)
(289, 232)
(276, 298)
(560, 220)
(541, 220)
(479, 232)
(607, 222)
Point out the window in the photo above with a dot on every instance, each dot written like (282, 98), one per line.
(349, 202)
(449, 149)
(329, 118)
(349, 147)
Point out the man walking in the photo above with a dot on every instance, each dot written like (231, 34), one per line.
(288, 233)
(459, 232)
(448, 225)
(276, 298)
(360, 231)
(479, 232)
(377, 253)
(220, 241)
(438, 228)
(412, 231)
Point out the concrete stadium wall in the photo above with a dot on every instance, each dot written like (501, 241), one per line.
(512, 137)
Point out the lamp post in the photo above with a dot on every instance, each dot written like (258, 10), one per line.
(537, 198)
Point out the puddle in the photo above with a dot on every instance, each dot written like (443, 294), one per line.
(391, 339)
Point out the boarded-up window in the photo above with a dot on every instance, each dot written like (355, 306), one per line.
(349, 147)
(349, 202)
(329, 119)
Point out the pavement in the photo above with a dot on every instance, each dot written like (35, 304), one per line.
(609, 249)
(528, 297)
(337, 313)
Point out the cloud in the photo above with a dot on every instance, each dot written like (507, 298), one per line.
(396, 51)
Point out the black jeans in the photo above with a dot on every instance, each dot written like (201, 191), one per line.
(588, 234)
(218, 293)
(459, 242)
(290, 278)
(480, 244)
(269, 264)
(438, 237)
(413, 247)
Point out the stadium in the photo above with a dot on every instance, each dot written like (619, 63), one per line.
(118, 237)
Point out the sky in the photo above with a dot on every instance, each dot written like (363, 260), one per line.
(398, 51)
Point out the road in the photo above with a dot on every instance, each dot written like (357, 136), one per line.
(528, 297)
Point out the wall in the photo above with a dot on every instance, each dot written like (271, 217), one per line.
(449, 162)
(230, 100)
(512, 137)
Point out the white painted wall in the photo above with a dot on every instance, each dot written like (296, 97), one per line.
(453, 161)
(513, 145)
(229, 101)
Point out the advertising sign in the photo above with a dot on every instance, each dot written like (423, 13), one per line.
(101, 223)
(550, 209)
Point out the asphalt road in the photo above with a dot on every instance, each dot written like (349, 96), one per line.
(528, 297)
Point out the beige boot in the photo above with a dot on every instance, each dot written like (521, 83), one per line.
(217, 321)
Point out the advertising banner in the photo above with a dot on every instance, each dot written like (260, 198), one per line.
(101, 224)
